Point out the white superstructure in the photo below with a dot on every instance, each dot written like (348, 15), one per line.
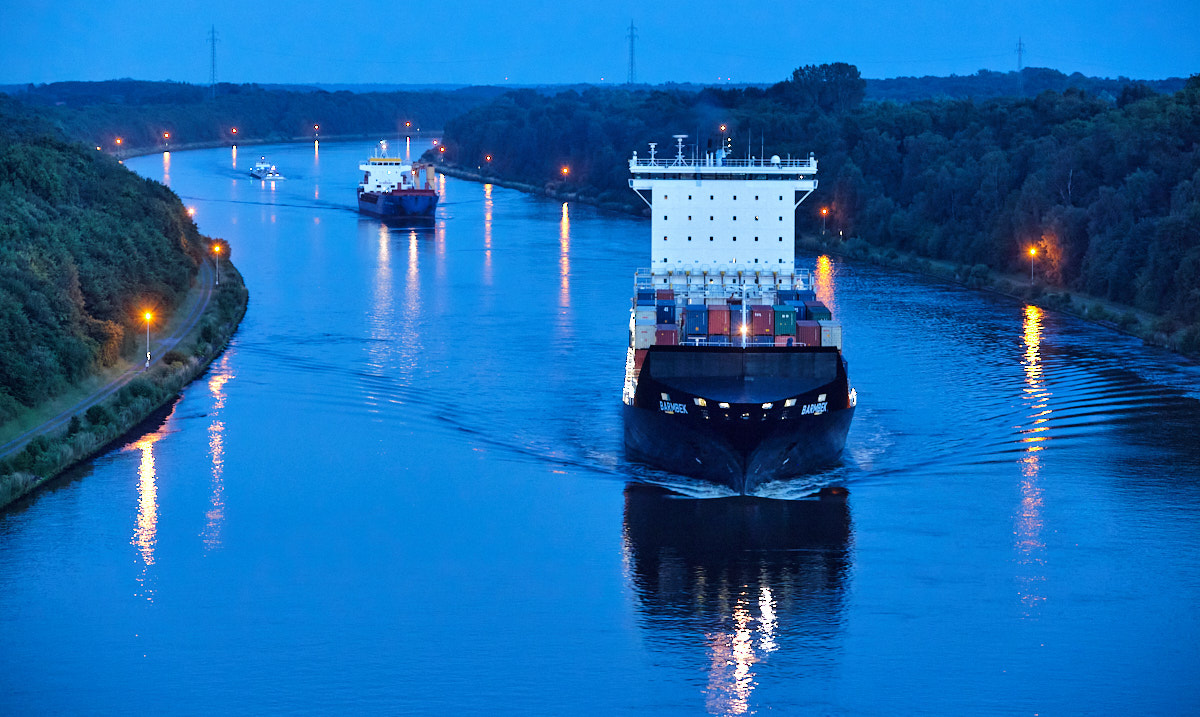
(718, 221)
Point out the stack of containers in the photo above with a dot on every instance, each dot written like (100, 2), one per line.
(695, 320)
(666, 332)
(831, 333)
(644, 320)
(785, 324)
(816, 311)
(808, 333)
(718, 324)
(762, 325)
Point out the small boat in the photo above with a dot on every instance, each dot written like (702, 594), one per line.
(265, 170)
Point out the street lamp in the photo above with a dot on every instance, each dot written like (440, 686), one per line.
(217, 260)
(824, 213)
(167, 139)
(566, 170)
(1032, 255)
(316, 134)
(148, 316)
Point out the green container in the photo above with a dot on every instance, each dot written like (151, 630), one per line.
(785, 320)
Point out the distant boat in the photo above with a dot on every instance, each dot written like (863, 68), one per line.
(265, 170)
(390, 187)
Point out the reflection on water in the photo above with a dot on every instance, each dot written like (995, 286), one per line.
(233, 156)
(823, 283)
(1030, 546)
(220, 374)
(145, 535)
(741, 579)
(381, 319)
(564, 257)
(487, 232)
(166, 168)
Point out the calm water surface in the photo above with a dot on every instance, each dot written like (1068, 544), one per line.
(402, 489)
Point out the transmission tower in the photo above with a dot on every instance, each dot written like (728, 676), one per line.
(1020, 67)
(212, 43)
(632, 67)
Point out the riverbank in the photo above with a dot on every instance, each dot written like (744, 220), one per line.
(129, 152)
(98, 424)
(1154, 330)
(553, 190)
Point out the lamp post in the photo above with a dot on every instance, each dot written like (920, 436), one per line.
(1032, 256)
(217, 260)
(148, 317)
(824, 213)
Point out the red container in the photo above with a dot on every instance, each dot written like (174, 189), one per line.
(808, 333)
(762, 320)
(718, 320)
(785, 340)
(639, 358)
(666, 335)
(664, 294)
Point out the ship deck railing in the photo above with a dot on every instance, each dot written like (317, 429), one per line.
(789, 165)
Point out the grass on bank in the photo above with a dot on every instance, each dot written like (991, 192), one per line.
(1154, 330)
(92, 430)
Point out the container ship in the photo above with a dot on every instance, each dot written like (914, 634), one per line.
(395, 188)
(735, 371)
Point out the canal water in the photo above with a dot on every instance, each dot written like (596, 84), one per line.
(402, 490)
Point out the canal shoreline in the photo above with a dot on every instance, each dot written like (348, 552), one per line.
(99, 426)
(1154, 330)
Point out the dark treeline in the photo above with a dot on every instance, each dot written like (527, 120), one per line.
(1108, 190)
(1029, 82)
(140, 112)
(85, 247)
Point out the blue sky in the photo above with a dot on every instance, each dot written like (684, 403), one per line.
(541, 41)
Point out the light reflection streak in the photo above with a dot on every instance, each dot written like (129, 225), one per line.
(145, 535)
(215, 517)
(731, 659)
(167, 168)
(1030, 521)
(234, 156)
(823, 283)
(382, 314)
(487, 232)
(564, 257)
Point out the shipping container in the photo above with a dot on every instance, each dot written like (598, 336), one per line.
(639, 358)
(695, 320)
(666, 313)
(718, 340)
(806, 295)
(786, 294)
(645, 315)
(762, 320)
(816, 311)
(645, 294)
(808, 333)
(643, 336)
(785, 340)
(718, 320)
(831, 333)
(785, 320)
(761, 341)
(666, 335)
(665, 294)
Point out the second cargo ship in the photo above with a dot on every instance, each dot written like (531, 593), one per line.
(395, 188)
(735, 371)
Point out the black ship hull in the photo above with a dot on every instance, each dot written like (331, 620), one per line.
(740, 417)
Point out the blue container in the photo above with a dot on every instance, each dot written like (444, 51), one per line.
(666, 313)
(645, 294)
(785, 294)
(806, 295)
(645, 302)
(695, 320)
(718, 340)
(798, 305)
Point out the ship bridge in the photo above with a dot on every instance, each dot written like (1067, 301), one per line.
(718, 221)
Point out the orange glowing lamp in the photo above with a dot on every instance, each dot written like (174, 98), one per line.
(487, 158)
(148, 316)
(1032, 251)
(566, 170)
